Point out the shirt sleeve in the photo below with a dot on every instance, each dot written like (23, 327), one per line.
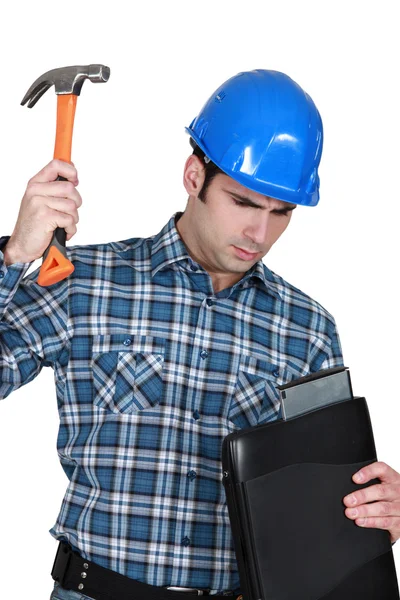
(33, 325)
(332, 355)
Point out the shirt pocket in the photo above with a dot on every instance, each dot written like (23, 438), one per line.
(127, 372)
(255, 398)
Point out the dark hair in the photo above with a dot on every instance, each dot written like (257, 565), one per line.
(211, 169)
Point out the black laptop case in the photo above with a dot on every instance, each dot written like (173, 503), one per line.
(285, 482)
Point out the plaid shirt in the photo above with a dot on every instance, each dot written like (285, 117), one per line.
(152, 370)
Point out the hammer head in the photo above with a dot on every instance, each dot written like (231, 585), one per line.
(66, 80)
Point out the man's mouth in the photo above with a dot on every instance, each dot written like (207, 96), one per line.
(244, 254)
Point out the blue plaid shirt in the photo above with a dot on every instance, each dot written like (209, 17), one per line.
(152, 370)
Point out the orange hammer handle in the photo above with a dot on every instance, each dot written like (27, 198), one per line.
(56, 266)
(66, 105)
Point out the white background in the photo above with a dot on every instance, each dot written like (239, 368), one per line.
(166, 59)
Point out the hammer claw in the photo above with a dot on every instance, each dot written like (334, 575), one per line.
(35, 93)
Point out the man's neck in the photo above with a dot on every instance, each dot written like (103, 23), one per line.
(220, 281)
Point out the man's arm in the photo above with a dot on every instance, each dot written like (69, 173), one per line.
(33, 319)
(332, 355)
(33, 325)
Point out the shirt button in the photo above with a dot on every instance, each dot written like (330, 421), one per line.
(276, 373)
(192, 475)
(209, 302)
(196, 415)
(1, 274)
(127, 341)
(204, 354)
(194, 268)
(185, 541)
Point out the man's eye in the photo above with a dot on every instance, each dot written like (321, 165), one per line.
(239, 203)
(284, 213)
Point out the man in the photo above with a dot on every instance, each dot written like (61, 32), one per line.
(162, 346)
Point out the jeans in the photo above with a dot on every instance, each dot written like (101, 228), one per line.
(60, 593)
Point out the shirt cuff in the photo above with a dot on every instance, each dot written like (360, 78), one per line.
(3, 241)
(10, 277)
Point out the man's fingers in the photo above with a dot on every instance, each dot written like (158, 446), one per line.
(55, 168)
(63, 205)
(373, 493)
(378, 469)
(55, 189)
(70, 235)
(62, 220)
(374, 509)
(391, 524)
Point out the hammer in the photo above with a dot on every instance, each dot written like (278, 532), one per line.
(68, 83)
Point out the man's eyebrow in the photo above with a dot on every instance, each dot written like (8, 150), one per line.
(249, 202)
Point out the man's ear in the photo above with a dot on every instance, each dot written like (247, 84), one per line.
(193, 175)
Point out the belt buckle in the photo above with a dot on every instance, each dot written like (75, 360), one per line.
(61, 562)
(174, 588)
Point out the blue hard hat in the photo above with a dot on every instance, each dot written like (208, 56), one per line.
(263, 130)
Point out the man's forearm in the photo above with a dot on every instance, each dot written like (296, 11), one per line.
(12, 255)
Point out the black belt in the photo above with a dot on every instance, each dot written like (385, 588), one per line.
(73, 572)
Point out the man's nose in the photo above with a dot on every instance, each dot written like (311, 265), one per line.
(257, 229)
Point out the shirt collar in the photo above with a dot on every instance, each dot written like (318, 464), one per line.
(267, 278)
(169, 248)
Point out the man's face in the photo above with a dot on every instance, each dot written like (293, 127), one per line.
(235, 227)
